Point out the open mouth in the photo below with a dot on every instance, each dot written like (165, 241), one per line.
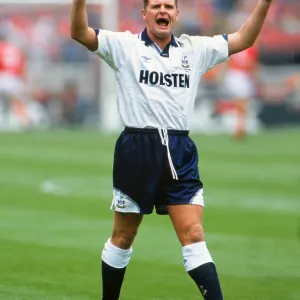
(162, 22)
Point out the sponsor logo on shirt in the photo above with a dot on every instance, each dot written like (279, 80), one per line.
(169, 80)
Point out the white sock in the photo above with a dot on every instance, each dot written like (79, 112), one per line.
(195, 255)
(114, 256)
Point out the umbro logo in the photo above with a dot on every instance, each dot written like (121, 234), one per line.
(203, 291)
(146, 59)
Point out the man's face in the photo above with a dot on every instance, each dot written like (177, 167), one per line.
(160, 17)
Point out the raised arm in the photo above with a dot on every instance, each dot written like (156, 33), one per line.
(246, 36)
(80, 30)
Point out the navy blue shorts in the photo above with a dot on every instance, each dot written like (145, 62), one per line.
(142, 177)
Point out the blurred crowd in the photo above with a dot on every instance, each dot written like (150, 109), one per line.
(47, 80)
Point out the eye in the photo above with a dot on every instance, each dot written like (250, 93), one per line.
(169, 6)
(155, 6)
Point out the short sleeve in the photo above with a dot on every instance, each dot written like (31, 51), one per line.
(211, 50)
(112, 47)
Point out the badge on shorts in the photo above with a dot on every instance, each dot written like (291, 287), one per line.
(121, 202)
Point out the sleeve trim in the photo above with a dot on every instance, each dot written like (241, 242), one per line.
(225, 36)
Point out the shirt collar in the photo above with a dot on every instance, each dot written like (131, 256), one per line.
(145, 37)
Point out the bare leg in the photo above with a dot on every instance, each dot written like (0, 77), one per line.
(187, 221)
(241, 107)
(125, 229)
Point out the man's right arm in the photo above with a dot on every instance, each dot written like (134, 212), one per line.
(80, 30)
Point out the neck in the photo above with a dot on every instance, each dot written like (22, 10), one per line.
(160, 42)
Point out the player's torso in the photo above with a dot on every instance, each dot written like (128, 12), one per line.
(165, 77)
(159, 90)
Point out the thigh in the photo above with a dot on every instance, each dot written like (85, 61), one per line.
(187, 222)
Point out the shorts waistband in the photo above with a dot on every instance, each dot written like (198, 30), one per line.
(155, 130)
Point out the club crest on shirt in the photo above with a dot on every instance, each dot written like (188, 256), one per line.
(185, 63)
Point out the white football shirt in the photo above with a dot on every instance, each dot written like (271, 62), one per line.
(157, 88)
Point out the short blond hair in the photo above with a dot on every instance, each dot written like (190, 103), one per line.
(146, 3)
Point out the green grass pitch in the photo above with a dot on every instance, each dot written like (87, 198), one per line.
(55, 193)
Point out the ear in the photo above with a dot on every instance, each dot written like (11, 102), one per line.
(144, 15)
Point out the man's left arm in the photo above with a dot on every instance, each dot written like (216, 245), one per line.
(246, 36)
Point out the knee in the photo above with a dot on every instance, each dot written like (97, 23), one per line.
(193, 234)
(123, 239)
